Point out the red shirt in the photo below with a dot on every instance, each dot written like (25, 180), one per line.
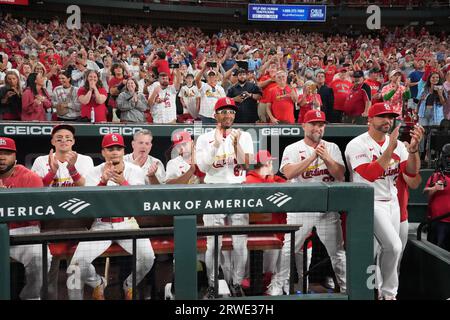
(267, 89)
(23, 178)
(355, 102)
(282, 106)
(439, 203)
(403, 197)
(277, 218)
(162, 65)
(308, 106)
(341, 89)
(99, 109)
(374, 89)
(330, 71)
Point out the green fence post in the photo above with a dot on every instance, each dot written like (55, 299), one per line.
(4, 263)
(185, 257)
(358, 201)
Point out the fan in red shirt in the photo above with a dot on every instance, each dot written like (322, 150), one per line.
(92, 97)
(330, 70)
(266, 83)
(280, 106)
(374, 85)
(341, 89)
(309, 100)
(13, 175)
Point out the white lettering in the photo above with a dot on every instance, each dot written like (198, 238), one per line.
(25, 130)
(198, 203)
(208, 205)
(218, 204)
(147, 206)
(189, 205)
(125, 131)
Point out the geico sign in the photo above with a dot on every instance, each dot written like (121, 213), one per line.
(281, 131)
(27, 130)
(125, 131)
(196, 131)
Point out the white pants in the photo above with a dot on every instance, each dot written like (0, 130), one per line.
(88, 251)
(329, 230)
(386, 230)
(235, 269)
(31, 258)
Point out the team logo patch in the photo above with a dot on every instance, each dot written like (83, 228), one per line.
(318, 114)
(2, 142)
(114, 138)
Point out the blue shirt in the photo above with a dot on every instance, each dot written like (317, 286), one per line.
(415, 76)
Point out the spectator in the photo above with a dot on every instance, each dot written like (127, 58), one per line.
(357, 103)
(308, 100)
(40, 68)
(78, 74)
(35, 99)
(375, 85)
(394, 93)
(11, 97)
(281, 100)
(116, 84)
(131, 103)
(65, 99)
(431, 102)
(327, 97)
(190, 99)
(341, 89)
(105, 72)
(246, 96)
(267, 82)
(92, 97)
(210, 92)
(415, 77)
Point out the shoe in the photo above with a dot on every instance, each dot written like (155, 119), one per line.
(99, 291)
(128, 293)
(328, 283)
(274, 289)
(237, 291)
(209, 293)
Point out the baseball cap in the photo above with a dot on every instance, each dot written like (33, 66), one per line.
(190, 75)
(241, 70)
(63, 127)
(181, 137)
(393, 72)
(380, 108)
(211, 72)
(358, 74)
(225, 102)
(342, 70)
(314, 116)
(374, 70)
(7, 144)
(264, 156)
(112, 139)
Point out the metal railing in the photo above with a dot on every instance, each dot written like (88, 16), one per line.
(429, 222)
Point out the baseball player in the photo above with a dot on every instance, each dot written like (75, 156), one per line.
(113, 172)
(312, 159)
(221, 154)
(377, 158)
(64, 167)
(13, 175)
(153, 167)
(181, 169)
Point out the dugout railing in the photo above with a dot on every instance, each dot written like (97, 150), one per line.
(185, 203)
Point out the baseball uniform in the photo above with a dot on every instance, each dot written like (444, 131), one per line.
(164, 110)
(362, 151)
(327, 223)
(178, 166)
(84, 165)
(208, 98)
(160, 173)
(190, 95)
(87, 252)
(220, 166)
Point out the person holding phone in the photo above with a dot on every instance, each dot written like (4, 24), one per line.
(11, 97)
(210, 93)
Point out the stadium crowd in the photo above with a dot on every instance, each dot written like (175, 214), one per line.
(127, 73)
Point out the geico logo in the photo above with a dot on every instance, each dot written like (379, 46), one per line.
(25, 130)
(280, 131)
(125, 131)
(198, 131)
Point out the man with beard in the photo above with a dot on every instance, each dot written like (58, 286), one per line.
(376, 158)
(246, 96)
(152, 167)
(13, 175)
(114, 172)
(223, 155)
(162, 98)
(312, 159)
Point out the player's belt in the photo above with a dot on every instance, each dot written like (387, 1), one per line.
(112, 220)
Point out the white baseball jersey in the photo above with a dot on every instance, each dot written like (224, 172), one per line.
(177, 167)
(190, 95)
(160, 172)
(363, 149)
(220, 164)
(317, 170)
(166, 110)
(209, 97)
(84, 165)
(132, 173)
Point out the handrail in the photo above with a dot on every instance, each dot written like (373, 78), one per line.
(423, 224)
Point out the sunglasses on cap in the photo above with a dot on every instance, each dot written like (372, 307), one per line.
(226, 111)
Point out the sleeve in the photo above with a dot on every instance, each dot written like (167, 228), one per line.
(39, 167)
(231, 93)
(75, 103)
(289, 157)
(85, 166)
(81, 91)
(161, 173)
(122, 103)
(142, 103)
(172, 172)
(137, 177)
(356, 155)
(336, 154)
(34, 181)
(55, 97)
(366, 88)
(93, 177)
(182, 90)
(103, 92)
(256, 89)
(28, 104)
(204, 153)
(246, 143)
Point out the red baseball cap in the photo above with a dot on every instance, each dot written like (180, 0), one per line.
(342, 70)
(112, 139)
(381, 108)
(314, 116)
(264, 156)
(7, 144)
(181, 137)
(225, 102)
